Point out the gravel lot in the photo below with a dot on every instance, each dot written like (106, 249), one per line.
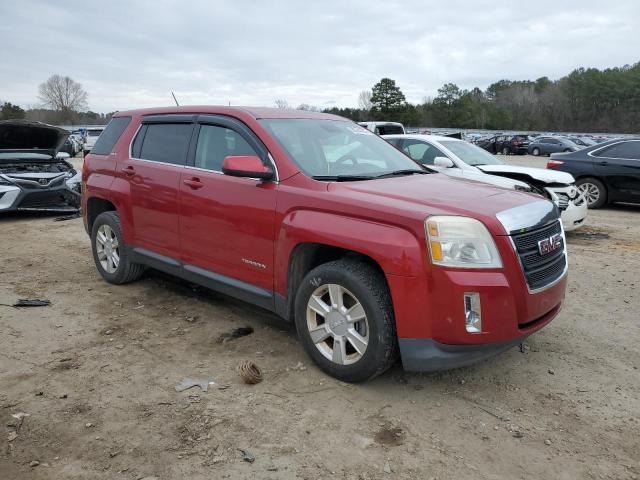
(95, 373)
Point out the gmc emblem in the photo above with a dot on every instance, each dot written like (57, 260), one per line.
(550, 244)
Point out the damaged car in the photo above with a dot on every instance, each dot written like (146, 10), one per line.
(33, 175)
(458, 158)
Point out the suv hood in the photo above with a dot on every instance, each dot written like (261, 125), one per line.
(418, 196)
(521, 173)
(23, 136)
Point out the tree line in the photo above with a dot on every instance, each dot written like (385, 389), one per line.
(588, 100)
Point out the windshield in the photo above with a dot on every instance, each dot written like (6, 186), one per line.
(324, 148)
(470, 154)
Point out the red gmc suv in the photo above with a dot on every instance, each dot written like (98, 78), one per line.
(324, 223)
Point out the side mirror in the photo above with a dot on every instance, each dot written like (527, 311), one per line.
(443, 162)
(246, 166)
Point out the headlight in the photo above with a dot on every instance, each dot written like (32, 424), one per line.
(461, 242)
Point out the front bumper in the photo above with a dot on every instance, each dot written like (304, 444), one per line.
(573, 212)
(63, 199)
(427, 355)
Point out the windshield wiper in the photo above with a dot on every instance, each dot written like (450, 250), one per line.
(342, 178)
(406, 171)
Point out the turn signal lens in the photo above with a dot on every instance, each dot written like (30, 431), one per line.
(436, 250)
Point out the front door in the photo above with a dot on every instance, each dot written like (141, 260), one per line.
(619, 166)
(227, 223)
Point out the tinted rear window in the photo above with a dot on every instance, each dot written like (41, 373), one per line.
(166, 142)
(389, 130)
(109, 136)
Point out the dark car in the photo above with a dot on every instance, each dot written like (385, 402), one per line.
(549, 145)
(604, 173)
(505, 144)
(583, 141)
(68, 147)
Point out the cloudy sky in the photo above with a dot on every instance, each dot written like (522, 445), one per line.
(130, 54)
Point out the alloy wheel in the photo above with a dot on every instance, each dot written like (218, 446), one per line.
(107, 248)
(590, 191)
(337, 324)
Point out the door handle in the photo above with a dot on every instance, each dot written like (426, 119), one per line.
(604, 163)
(129, 170)
(193, 183)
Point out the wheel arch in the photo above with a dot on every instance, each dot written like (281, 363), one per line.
(96, 206)
(305, 257)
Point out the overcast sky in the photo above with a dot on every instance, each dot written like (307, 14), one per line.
(131, 54)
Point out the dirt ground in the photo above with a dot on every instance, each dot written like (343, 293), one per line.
(94, 374)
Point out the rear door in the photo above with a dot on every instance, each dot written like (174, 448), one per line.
(619, 166)
(227, 223)
(549, 145)
(158, 156)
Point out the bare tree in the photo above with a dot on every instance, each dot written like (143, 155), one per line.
(63, 94)
(281, 103)
(364, 100)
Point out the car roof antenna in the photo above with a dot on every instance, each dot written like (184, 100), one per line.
(175, 99)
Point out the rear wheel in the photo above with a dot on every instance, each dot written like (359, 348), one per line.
(506, 150)
(536, 152)
(594, 191)
(109, 252)
(344, 318)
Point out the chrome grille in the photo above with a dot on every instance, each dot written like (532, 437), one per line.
(540, 269)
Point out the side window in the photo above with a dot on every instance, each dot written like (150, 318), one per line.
(422, 152)
(215, 143)
(394, 141)
(166, 142)
(627, 150)
(108, 138)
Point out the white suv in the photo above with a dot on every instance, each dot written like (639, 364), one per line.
(92, 135)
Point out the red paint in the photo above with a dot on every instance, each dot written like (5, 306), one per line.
(247, 164)
(218, 221)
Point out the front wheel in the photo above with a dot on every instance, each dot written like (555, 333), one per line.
(344, 318)
(536, 152)
(594, 191)
(505, 151)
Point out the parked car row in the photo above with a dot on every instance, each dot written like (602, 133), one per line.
(434, 251)
(533, 144)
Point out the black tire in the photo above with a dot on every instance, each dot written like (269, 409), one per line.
(535, 152)
(506, 150)
(126, 270)
(369, 287)
(601, 191)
